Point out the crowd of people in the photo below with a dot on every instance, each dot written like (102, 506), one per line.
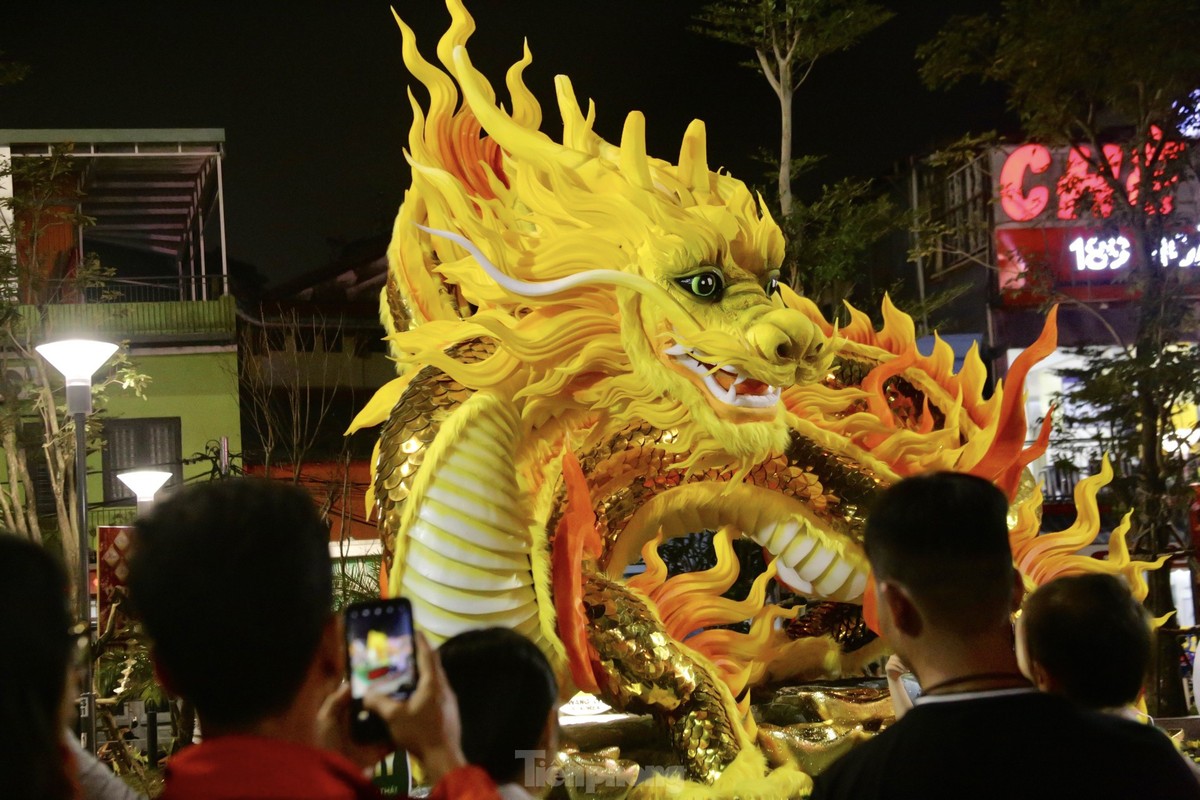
(233, 583)
(946, 594)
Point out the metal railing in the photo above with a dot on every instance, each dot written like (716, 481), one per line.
(111, 515)
(150, 289)
(174, 309)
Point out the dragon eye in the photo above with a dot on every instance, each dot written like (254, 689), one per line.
(771, 284)
(706, 285)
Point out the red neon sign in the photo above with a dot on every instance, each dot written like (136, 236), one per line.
(1079, 179)
(1024, 195)
(1024, 206)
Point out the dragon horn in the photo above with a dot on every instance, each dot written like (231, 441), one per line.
(634, 163)
(693, 157)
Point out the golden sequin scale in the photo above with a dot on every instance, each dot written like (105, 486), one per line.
(643, 670)
(636, 464)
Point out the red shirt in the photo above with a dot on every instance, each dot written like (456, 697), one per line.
(240, 767)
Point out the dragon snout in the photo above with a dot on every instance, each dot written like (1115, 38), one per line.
(783, 336)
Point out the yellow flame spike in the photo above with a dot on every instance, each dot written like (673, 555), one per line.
(417, 151)
(1045, 557)
(462, 25)
(757, 649)
(698, 604)
(655, 574)
(418, 285)
(1158, 622)
(977, 447)
(768, 237)
(972, 375)
(1039, 555)
(860, 328)
(1134, 571)
(941, 362)
(424, 143)
(672, 596)
(806, 307)
(693, 158)
(899, 332)
(577, 130)
(634, 163)
(736, 679)
(527, 112)
(532, 146)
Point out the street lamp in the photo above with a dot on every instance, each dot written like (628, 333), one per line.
(78, 360)
(144, 483)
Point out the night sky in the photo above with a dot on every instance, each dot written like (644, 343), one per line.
(312, 94)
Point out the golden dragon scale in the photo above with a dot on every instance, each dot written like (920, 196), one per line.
(594, 356)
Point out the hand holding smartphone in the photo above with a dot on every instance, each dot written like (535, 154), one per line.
(381, 657)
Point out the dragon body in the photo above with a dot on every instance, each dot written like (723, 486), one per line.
(595, 355)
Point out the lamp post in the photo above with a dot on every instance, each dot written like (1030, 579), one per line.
(144, 483)
(78, 360)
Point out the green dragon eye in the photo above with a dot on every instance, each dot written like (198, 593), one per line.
(705, 285)
(771, 284)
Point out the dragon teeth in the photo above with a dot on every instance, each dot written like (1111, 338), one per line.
(696, 364)
(815, 565)
(796, 550)
(793, 581)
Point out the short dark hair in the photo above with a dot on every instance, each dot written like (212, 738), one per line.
(232, 581)
(944, 537)
(36, 625)
(506, 690)
(1091, 635)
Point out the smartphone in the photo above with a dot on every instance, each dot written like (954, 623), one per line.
(381, 656)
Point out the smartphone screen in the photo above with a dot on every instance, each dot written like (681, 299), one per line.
(381, 657)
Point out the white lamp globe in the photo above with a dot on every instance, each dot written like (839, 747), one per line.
(77, 359)
(144, 482)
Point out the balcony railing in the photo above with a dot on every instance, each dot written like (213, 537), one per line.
(111, 515)
(143, 310)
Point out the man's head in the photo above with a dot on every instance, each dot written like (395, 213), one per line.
(506, 694)
(1086, 637)
(938, 545)
(232, 580)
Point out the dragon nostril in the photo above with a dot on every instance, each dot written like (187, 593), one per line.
(785, 349)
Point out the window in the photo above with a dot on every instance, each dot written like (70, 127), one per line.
(146, 443)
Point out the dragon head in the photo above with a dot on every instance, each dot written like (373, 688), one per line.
(658, 281)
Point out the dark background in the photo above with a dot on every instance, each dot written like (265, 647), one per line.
(312, 94)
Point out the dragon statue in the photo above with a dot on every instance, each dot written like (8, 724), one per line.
(595, 355)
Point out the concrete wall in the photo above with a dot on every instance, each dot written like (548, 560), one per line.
(198, 385)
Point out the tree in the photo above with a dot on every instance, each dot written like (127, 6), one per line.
(1114, 80)
(830, 242)
(36, 272)
(289, 377)
(829, 238)
(293, 384)
(788, 38)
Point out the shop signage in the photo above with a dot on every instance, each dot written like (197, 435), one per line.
(1050, 217)
(1036, 185)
